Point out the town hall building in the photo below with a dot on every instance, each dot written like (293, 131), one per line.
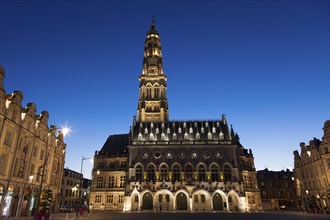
(165, 165)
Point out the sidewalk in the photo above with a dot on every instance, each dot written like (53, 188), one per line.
(53, 216)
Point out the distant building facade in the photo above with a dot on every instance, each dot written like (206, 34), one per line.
(71, 190)
(172, 165)
(312, 173)
(28, 148)
(75, 190)
(277, 189)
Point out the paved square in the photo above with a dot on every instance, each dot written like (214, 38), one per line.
(207, 216)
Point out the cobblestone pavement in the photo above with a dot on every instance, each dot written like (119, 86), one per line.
(185, 216)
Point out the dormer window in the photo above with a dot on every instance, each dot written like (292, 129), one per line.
(146, 130)
(186, 136)
(202, 130)
(190, 130)
(213, 130)
(179, 131)
(198, 137)
(157, 131)
(168, 131)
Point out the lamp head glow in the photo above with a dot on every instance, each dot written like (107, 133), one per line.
(65, 130)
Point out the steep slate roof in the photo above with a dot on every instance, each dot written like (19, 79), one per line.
(184, 130)
(116, 145)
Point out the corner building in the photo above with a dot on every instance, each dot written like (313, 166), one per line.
(172, 165)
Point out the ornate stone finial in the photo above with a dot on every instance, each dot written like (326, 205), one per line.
(223, 119)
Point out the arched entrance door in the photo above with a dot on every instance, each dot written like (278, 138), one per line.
(181, 201)
(147, 201)
(217, 202)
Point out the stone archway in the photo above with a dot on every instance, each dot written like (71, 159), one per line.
(147, 201)
(217, 202)
(181, 201)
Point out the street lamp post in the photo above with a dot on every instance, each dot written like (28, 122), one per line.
(82, 177)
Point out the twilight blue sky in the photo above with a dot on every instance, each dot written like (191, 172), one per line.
(265, 64)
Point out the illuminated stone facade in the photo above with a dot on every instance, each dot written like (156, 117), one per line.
(277, 189)
(172, 165)
(26, 141)
(312, 173)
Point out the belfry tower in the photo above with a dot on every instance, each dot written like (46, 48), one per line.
(152, 105)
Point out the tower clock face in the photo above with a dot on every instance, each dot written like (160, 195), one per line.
(152, 70)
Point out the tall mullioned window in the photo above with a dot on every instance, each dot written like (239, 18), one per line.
(122, 181)
(227, 173)
(151, 173)
(111, 182)
(99, 182)
(109, 198)
(138, 173)
(8, 139)
(176, 173)
(189, 171)
(163, 173)
(214, 174)
(201, 174)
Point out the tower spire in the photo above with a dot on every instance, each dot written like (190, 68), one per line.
(153, 23)
(152, 105)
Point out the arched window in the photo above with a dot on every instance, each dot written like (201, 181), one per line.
(163, 173)
(189, 171)
(214, 174)
(138, 173)
(176, 173)
(151, 173)
(201, 173)
(227, 173)
(209, 136)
